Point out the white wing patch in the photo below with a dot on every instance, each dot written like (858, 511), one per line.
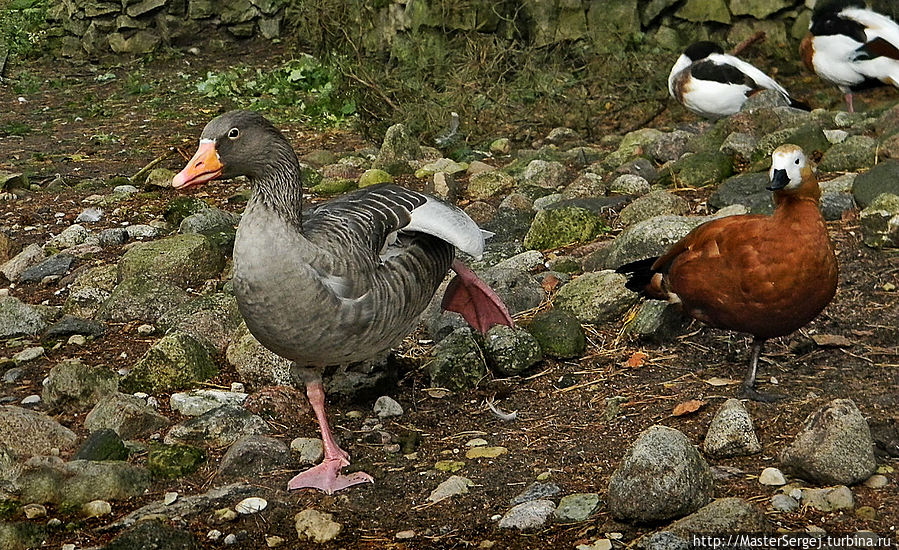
(449, 223)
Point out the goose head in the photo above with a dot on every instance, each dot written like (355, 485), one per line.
(237, 143)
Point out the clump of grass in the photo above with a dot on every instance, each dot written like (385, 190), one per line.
(23, 26)
(302, 86)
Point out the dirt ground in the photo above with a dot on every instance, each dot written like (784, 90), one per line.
(84, 128)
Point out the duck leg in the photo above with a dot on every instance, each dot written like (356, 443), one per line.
(474, 299)
(848, 97)
(326, 476)
(747, 389)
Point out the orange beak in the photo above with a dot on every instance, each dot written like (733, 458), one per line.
(204, 166)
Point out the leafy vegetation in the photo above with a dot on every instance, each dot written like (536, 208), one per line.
(23, 25)
(302, 87)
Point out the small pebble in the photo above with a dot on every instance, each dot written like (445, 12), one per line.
(251, 505)
(68, 546)
(230, 539)
(237, 387)
(145, 330)
(274, 541)
(476, 442)
(28, 354)
(784, 503)
(867, 513)
(90, 215)
(772, 477)
(214, 534)
(386, 407)
(354, 414)
(485, 452)
(877, 481)
(34, 511)
(96, 508)
(405, 535)
(31, 400)
(169, 498)
(54, 522)
(13, 375)
(527, 515)
(223, 515)
(309, 449)
(77, 340)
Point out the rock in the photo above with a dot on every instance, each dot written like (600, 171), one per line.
(723, 516)
(746, 189)
(374, 176)
(648, 238)
(69, 325)
(138, 299)
(252, 455)
(172, 461)
(143, 41)
(563, 226)
(56, 265)
(527, 515)
(828, 499)
(176, 361)
(8, 249)
(501, 146)
(28, 354)
(655, 203)
(217, 428)
(19, 319)
(877, 481)
(21, 534)
(28, 433)
(73, 384)
(511, 351)
(882, 178)
(657, 321)
(13, 268)
(96, 508)
(73, 483)
(34, 511)
(784, 503)
(71, 236)
(586, 185)
(700, 169)
(455, 485)
(141, 232)
(114, 236)
(834, 446)
(386, 407)
(739, 145)
(154, 533)
(104, 444)
(834, 205)
(445, 186)
(397, 150)
(880, 222)
(192, 507)
(90, 290)
(669, 146)
(487, 185)
(127, 415)
(444, 165)
(185, 260)
(517, 289)
(458, 363)
(309, 450)
(212, 320)
(559, 333)
(854, 154)
(544, 174)
(629, 184)
(596, 297)
(535, 491)
(485, 452)
(577, 507)
(216, 225)
(661, 540)
(256, 365)
(731, 432)
(703, 11)
(661, 476)
(772, 477)
(197, 402)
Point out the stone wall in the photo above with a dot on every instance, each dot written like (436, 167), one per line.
(96, 27)
(139, 26)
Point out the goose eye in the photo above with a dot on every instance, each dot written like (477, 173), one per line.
(797, 160)
(234, 133)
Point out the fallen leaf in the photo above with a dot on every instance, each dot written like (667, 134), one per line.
(688, 407)
(832, 341)
(636, 360)
(716, 381)
(438, 393)
(550, 282)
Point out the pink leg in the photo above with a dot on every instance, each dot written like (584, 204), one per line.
(477, 302)
(849, 102)
(326, 476)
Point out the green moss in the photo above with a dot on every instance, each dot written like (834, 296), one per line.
(171, 461)
(562, 227)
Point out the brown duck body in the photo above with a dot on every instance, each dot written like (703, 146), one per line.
(763, 275)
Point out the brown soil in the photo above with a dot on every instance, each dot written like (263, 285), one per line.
(83, 129)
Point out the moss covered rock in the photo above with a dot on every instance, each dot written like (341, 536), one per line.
(559, 333)
(458, 362)
(563, 226)
(511, 350)
(181, 260)
(170, 461)
(175, 362)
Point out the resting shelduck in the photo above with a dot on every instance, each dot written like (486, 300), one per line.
(714, 84)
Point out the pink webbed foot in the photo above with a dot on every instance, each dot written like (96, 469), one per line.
(477, 302)
(326, 477)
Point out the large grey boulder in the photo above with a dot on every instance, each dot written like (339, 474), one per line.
(882, 178)
(834, 447)
(723, 516)
(746, 189)
(174, 362)
(662, 476)
(73, 384)
(880, 222)
(185, 260)
(141, 298)
(50, 480)
(217, 428)
(28, 433)
(212, 320)
(90, 290)
(252, 455)
(649, 238)
(511, 350)
(256, 365)
(19, 319)
(655, 203)
(596, 297)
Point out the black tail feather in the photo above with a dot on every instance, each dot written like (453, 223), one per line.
(796, 104)
(639, 274)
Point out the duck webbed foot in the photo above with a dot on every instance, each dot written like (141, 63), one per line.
(747, 388)
(326, 476)
(474, 300)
